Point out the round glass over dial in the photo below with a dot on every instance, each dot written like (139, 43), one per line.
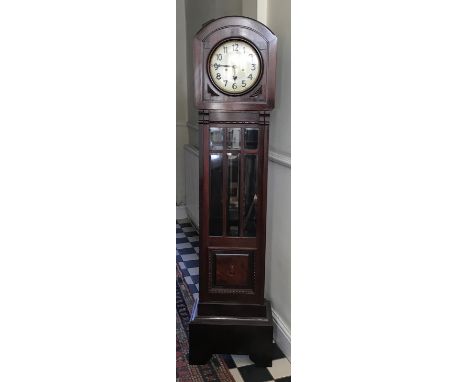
(234, 66)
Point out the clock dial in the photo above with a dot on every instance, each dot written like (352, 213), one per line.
(234, 66)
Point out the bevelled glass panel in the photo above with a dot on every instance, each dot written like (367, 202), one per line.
(250, 195)
(234, 138)
(251, 138)
(233, 195)
(216, 138)
(216, 197)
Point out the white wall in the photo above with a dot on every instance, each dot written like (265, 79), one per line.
(279, 20)
(181, 99)
(249, 8)
(276, 14)
(278, 251)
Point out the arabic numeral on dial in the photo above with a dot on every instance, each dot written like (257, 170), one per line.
(250, 76)
(235, 47)
(218, 76)
(225, 82)
(234, 85)
(254, 66)
(225, 48)
(219, 56)
(244, 49)
(244, 84)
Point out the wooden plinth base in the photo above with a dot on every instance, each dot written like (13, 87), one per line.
(222, 328)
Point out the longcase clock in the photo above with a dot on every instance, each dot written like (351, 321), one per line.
(234, 75)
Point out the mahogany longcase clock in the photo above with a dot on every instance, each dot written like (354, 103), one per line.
(235, 65)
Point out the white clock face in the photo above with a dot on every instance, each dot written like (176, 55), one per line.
(234, 67)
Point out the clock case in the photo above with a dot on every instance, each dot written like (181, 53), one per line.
(231, 315)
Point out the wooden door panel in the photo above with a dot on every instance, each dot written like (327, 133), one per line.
(232, 270)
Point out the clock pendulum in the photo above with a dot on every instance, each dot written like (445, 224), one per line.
(234, 78)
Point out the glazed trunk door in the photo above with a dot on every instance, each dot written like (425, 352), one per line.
(233, 181)
(232, 252)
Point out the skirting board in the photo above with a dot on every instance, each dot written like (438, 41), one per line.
(181, 212)
(281, 334)
(192, 219)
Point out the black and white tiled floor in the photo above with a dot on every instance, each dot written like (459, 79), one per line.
(240, 366)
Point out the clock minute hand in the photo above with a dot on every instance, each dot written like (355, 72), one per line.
(216, 66)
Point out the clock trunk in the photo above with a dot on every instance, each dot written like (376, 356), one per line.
(232, 315)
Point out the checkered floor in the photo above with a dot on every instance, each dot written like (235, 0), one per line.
(240, 366)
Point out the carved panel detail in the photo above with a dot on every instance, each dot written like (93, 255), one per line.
(257, 92)
(211, 91)
(231, 272)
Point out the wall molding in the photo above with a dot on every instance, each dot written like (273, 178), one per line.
(262, 11)
(281, 334)
(192, 125)
(273, 156)
(192, 149)
(282, 159)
